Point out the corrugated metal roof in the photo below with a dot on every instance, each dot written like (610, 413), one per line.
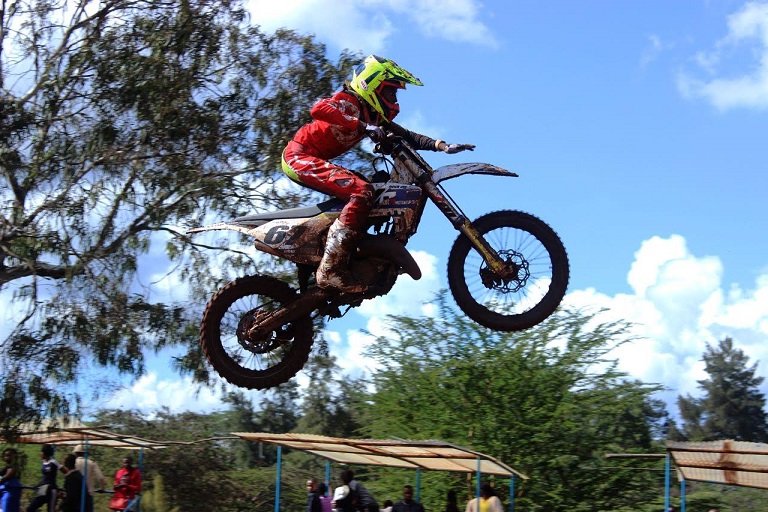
(726, 462)
(94, 436)
(435, 455)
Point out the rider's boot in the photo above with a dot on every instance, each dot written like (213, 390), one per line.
(334, 271)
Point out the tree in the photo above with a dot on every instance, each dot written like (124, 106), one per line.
(326, 405)
(548, 401)
(732, 405)
(242, 418)
(194, 474)
(155, 499)
(279, 414)
(206, 475)
(120, 120)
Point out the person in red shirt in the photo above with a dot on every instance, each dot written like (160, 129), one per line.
(127, 485)
(365, 104)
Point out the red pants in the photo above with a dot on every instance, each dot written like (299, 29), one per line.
(333, 180)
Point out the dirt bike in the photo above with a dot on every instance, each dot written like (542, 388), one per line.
(507, 270)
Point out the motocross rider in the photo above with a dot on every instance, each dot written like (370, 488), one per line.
(365, 104)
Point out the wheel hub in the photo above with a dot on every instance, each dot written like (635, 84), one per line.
(516, 277)
(253, 339)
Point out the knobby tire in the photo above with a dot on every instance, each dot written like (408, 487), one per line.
(520, 237)
(278, 357)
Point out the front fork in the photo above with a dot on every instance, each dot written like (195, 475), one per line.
(454, 214)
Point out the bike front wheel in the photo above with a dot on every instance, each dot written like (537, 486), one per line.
(533, 289)
(242, 358)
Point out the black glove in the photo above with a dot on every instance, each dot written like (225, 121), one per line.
(375, 133)
(457, 148)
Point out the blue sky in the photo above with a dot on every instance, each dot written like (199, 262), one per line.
(639, 133)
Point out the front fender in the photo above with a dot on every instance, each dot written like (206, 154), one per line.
(389, 248)
(447, 172)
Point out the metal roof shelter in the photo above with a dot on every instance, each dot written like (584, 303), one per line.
(94, 436)
(418, 455)
(432, 455)
(725, 462)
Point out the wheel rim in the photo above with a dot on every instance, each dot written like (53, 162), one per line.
(529, 278)
(254, 353)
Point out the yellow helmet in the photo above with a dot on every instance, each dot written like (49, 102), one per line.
(375, 73)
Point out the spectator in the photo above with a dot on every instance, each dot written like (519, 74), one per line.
(93, 476)
(387, 506)
(365, 502)
(489, 502)
(73, 485)
(46, 489)
(452, 504)
(325, 500)
(127, 486)
(313, 496)
(408, 504)
(10, 482)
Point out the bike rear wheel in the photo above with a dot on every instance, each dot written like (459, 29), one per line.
(254, 362)
(536, 288)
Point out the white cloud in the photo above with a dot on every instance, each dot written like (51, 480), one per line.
(407, 296)
(678, 306)
(453, 20)
(151, 393)
(747, 29)
(652, 50)
(343, 23)
(367, 25)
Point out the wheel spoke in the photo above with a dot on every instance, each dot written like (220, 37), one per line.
(520, 248)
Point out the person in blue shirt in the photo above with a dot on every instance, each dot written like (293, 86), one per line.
(10, 482)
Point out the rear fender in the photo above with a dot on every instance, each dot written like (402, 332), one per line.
(223, 226)
(300, 215)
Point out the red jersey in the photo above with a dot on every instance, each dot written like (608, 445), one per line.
(127, 482)
(334, 128)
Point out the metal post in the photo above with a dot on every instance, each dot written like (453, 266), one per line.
(418, 485)
(141, 472)
(84, 488)
(682, 495)
(477, 487)
(328, 478)
(667, 468)
(279, 471)
(512, 493)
